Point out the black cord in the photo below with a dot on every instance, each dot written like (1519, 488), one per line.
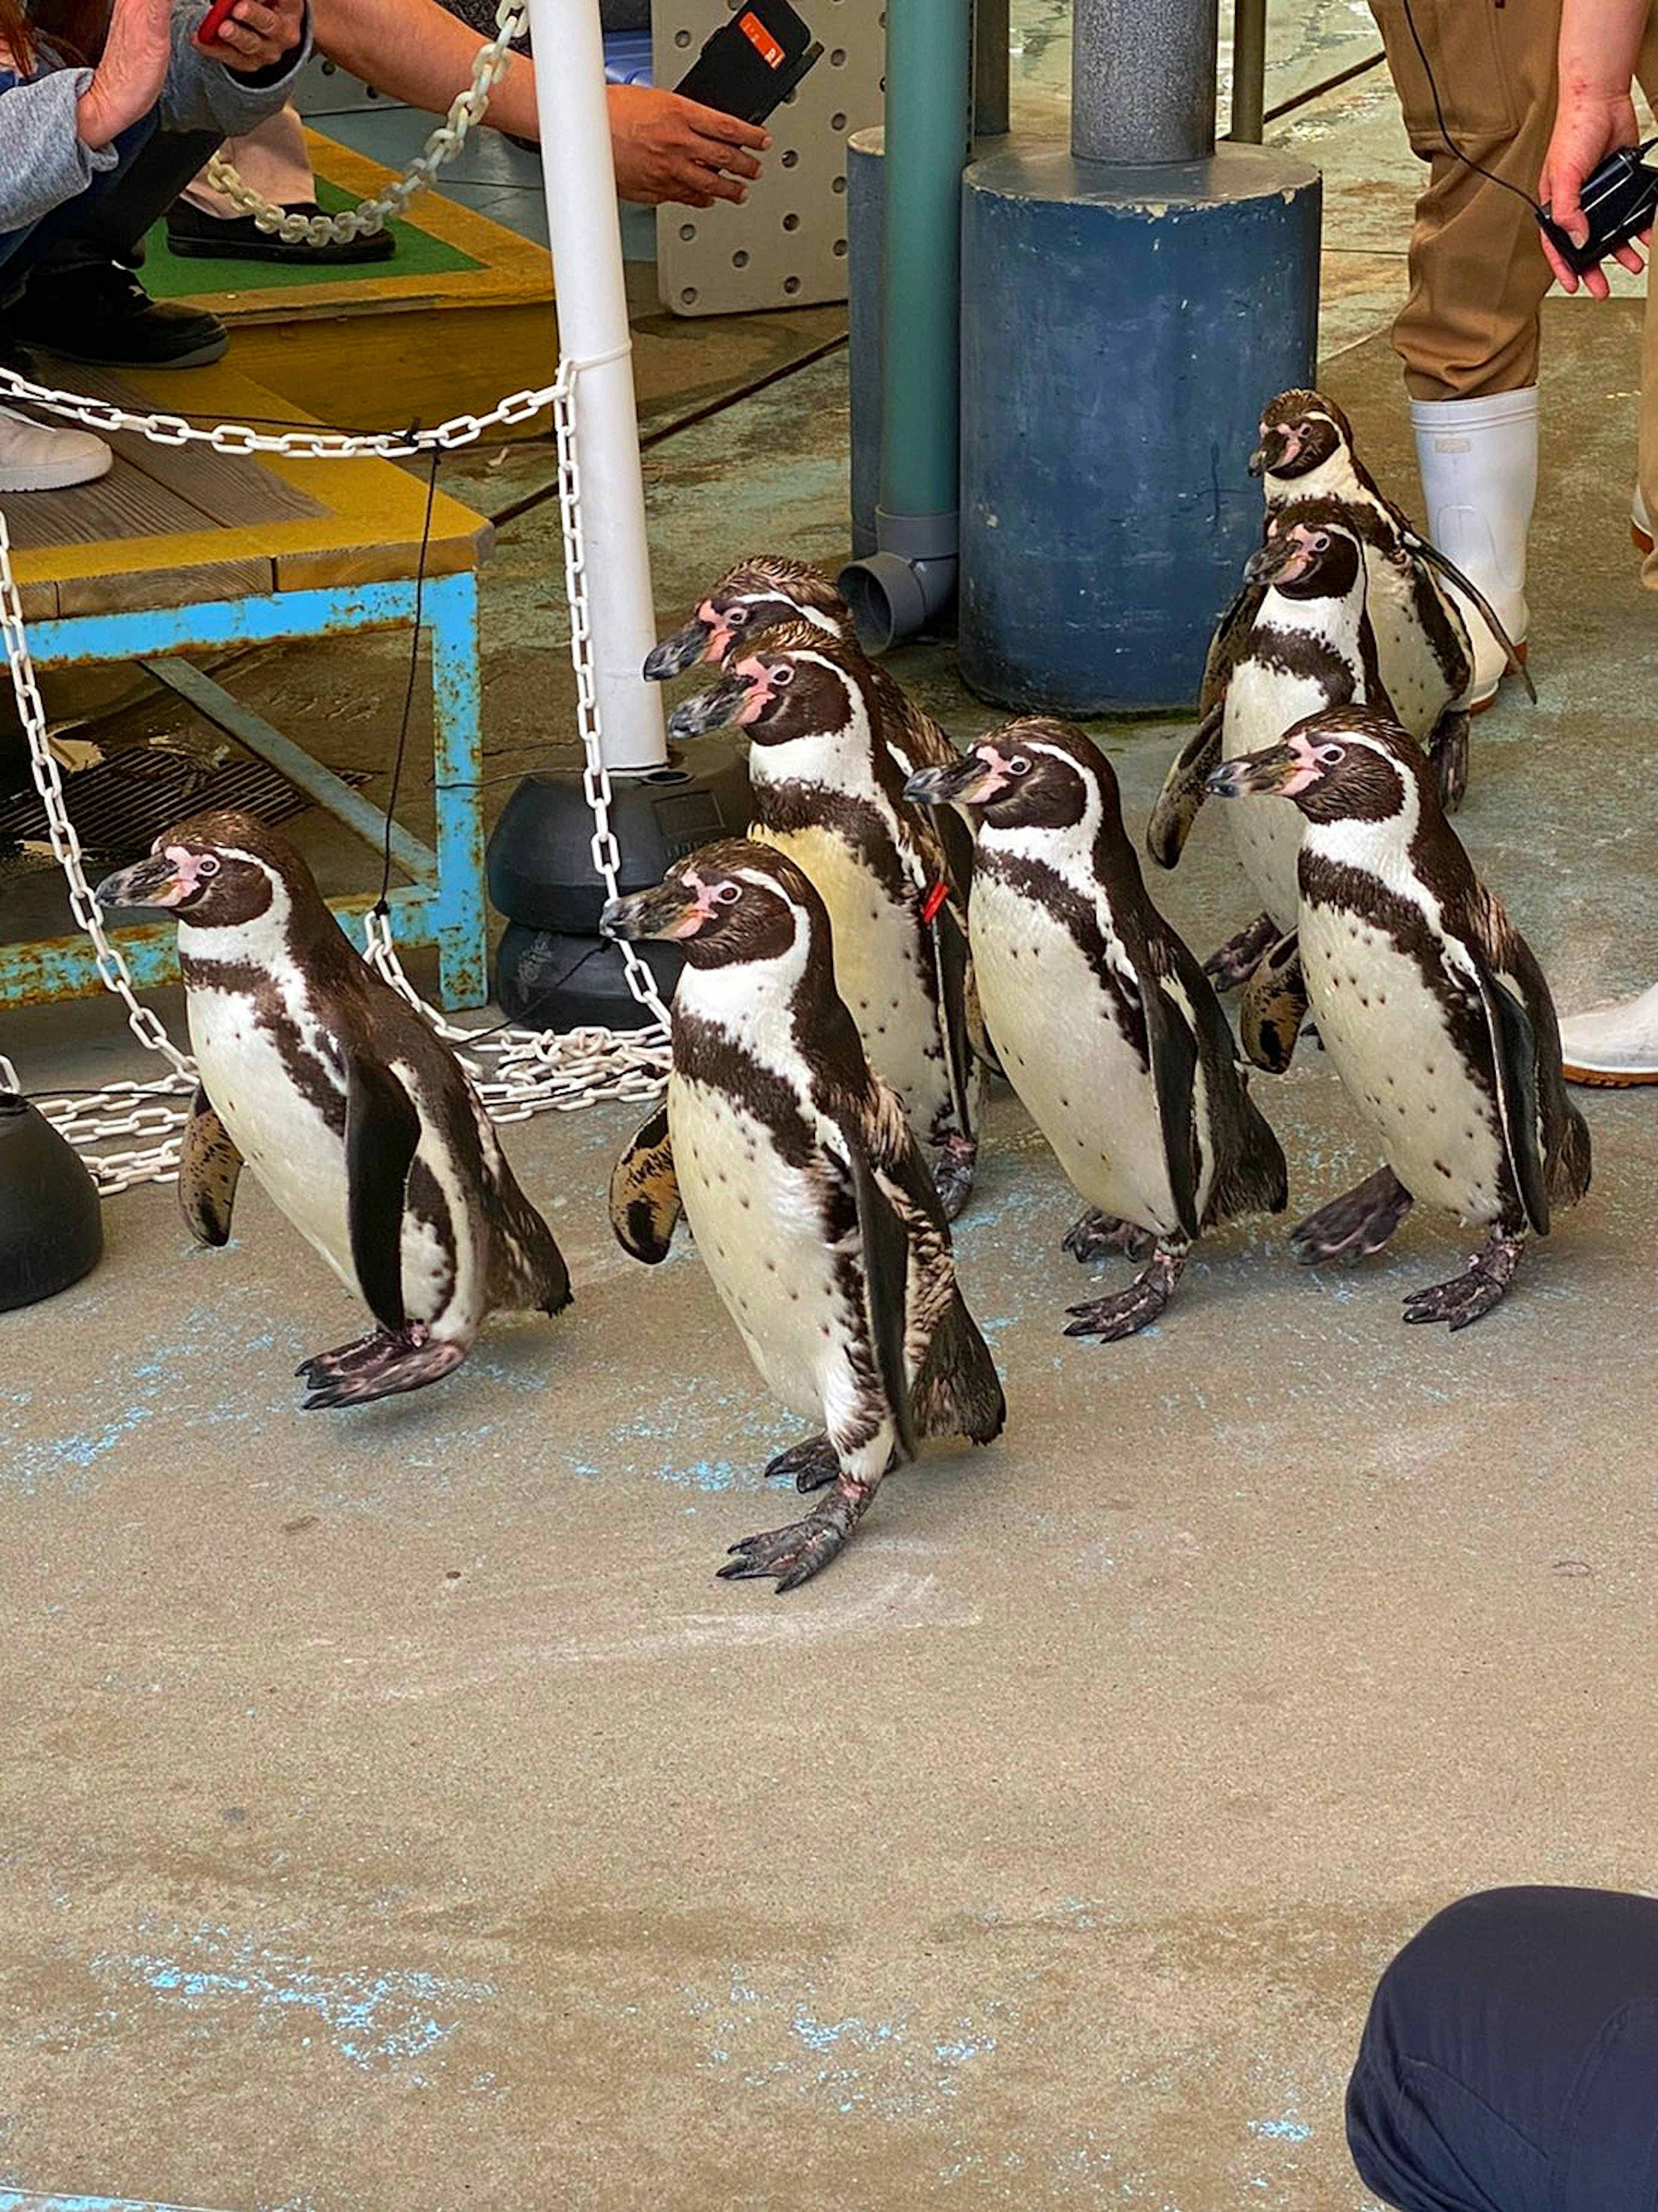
(1467, 159)
(381, 906)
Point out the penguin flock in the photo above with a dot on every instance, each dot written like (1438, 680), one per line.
(905, 922)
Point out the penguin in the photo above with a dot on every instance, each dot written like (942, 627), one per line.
(1432, 1009)
(1307, 453)
(767, 591)
(800, 1180)
(1109, 1029)
(1310, 646)
(349, 1108)
(829, 793)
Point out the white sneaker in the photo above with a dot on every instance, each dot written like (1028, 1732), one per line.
(1479, 464)
(1614, 1045)
(35, 458)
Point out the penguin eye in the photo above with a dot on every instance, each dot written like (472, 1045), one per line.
(782, 677)
(727, 894)
(734, 618)
(1322, 543)
(1018, 765)
(207, 865)
(1330, 755)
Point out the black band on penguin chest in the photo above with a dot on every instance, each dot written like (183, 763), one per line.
(858, 823)
(321, 1085)
(1293, 653)
(705, 1053)
(1046, 888)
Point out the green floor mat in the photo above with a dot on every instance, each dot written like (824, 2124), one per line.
(167, 277)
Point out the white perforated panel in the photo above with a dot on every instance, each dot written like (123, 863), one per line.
(787, 247)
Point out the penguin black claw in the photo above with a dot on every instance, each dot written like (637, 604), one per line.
(809, 1465)
(1095, 1236)
(383, 1366)
(1482, 1285)
(952, 1173)
(1351, 1227)
(1236, 960)
(795, 1553)
(1129, 1311)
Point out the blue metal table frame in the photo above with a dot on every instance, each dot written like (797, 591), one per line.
(442, 905)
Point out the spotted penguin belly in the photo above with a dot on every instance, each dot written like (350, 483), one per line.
(292, 1152)
(759, 1232)
(1081, 1081)
(1386, 1036)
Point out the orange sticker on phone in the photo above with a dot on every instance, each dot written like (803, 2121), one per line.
(761, 39)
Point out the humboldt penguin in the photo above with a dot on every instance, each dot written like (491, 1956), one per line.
(1307, 453)
(349, 1108)
(1430, 1005)
(1108, 1027)
(1310, 646)
(767, 591)
(828, 793)
(802, 1184)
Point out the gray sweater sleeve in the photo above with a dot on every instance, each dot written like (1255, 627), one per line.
(201, 94)
(42, 160)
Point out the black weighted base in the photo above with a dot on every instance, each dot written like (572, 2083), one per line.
(554, 972)
(51, 1226)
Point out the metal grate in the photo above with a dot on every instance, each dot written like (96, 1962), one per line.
(120, 806)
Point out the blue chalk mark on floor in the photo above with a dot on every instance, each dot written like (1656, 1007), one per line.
(26, 2200)
(1287, 2130)
(373, 2021)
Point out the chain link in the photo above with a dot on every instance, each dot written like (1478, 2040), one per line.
(534, 1071)
(490, 65)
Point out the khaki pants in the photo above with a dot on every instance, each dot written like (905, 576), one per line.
(271, 161)
(1478, 275)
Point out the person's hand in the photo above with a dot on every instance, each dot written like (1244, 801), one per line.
(257, 35)
(670, 149)
(128, 79)
(1587, 127)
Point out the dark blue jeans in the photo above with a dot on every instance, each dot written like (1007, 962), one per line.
(1510, 2060)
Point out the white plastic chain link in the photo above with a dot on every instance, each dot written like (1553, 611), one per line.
(533, 1070)
(490, 65)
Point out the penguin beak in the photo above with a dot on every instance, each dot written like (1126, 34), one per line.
(721, 705)
(152, 883)
(1284, 556)
(972, 782)
(1272, 773)
(671, 910)
(1276, 447)
(696, 641)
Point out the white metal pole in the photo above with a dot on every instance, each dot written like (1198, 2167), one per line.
(567, 46)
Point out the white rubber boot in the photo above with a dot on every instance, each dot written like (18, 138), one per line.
(33, 457)
(1479, 464)
(1614, 1045)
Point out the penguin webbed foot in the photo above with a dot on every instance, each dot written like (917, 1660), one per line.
(795, 1553)
(382, 1365)
(1096, 1236)
(1483, 1284)
(953, 1164)
(809, 1465)
(1236, 960)
(1351, 1227)
(1447, 750)
(1127, 1312)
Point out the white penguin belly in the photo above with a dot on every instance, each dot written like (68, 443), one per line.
(289, 1147)
(1261, 704)
(1411, 677)
(1385, 1033)
(1080, 1080)
(880, 949)
(759, 1233)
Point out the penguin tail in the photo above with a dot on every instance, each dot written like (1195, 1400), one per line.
(958, 1391)
(1569, 1177)
(1257, 1180)
(541, 1281)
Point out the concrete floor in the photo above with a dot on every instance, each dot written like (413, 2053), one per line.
(397, 1813)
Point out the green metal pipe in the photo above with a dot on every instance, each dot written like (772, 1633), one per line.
(928, 104)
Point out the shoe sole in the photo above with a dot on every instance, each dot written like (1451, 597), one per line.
(290, 256)
(200, 358)
(1603, 1078)
(48, 478)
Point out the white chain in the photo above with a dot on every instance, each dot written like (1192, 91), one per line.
(490, 65)
(534, 1071)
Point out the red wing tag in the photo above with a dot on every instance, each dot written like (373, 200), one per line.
(760, 39)
(934, 899)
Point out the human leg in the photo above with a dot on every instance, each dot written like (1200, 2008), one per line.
(205, 223)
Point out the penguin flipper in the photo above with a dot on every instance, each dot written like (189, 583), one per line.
(209, 1166)
(382, 1131)
(1231, 633)
(884, 1238)
(952, 970)
(1449, 570)
(645, 1205)
(1185, 788)
(1172, 1047)
(1274, 1006)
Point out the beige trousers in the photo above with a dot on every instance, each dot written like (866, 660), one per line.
(272, 160)
(1470, 325)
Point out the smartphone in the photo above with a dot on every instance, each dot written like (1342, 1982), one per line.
(750, 64)
(213, 21)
